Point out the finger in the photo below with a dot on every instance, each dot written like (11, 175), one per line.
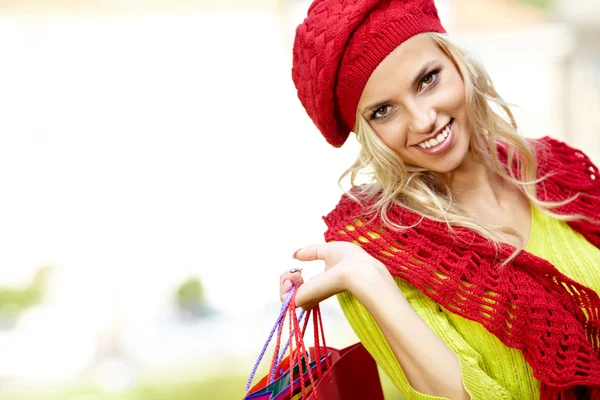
(320, 287)
(293, 275)
(287, 285)
(312, 252)
(287, 280)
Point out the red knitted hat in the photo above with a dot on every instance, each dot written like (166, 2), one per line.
(339, 45)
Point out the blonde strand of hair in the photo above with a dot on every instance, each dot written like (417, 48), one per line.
(423, 192)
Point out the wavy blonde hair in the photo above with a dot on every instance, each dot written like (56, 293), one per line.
(425, 192)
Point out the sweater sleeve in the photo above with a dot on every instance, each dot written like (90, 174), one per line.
(477, 383)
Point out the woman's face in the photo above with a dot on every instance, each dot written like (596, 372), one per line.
(415, 103)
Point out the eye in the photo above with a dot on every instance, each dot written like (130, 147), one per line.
(429, 79)
(381, 112)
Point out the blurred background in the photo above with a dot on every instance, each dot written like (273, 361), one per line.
(157, 173)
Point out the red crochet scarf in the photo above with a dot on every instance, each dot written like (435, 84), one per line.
(528, 304)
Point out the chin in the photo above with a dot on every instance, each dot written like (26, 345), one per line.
(444, 169)
(454, 159)
(448, 164)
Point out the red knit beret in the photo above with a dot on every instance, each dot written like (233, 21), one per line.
(339, 45)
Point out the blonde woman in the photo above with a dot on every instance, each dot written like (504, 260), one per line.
(469, 266)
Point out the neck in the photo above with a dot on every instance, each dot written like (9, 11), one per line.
(473, 183)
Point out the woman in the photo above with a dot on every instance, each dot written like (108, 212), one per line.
(469, 266)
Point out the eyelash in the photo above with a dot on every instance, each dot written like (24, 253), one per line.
(433, 74)
(374, 116)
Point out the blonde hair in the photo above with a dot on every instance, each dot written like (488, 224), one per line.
(424, 192)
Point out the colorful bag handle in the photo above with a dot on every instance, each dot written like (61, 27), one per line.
(278, 325)
(296, 335)
(301, 352)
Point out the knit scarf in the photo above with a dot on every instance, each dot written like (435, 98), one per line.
(527, 304)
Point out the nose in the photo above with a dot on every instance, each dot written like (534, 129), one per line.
(422, 119)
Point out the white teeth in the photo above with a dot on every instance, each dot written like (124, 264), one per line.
(436, 140)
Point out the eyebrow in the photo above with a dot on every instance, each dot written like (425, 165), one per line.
(415, 82)
(422, 72)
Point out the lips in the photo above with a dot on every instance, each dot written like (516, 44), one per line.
(438, 139)
(441, 143)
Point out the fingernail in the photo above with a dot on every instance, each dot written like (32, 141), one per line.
(296, 252)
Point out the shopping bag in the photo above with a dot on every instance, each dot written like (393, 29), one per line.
(281, 389)
(353, 376)
(297, 372)
(322, 372)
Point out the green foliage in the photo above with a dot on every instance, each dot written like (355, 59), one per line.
(218, 388)
(190, 294)
(13, 301)
(191, 301)
(190, 291)
(546, 4)
(224, 387)
(28, 296)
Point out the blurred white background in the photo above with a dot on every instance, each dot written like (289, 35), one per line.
(143, 143)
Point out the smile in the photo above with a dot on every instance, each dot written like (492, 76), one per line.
(439, 139)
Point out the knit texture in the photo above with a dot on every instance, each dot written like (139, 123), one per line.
(339, 45)
(528, 304)
(490, 370)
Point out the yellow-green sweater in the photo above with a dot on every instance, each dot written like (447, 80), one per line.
(490, 370)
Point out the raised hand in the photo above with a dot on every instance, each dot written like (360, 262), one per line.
(347, 266)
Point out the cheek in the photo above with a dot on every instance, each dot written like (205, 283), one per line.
(392, 134)
(456, 93)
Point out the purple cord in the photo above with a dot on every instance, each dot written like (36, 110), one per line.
(282, 354)
(284, 307)
(288, 341)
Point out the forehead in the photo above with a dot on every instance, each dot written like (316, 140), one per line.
(399, 68)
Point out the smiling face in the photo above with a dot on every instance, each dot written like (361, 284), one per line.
(415, 103)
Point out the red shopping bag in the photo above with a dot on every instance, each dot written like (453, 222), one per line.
(321, 373)
(353, 376)
(280, 388)
(296, 373)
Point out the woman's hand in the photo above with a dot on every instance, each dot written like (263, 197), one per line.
(347, 268)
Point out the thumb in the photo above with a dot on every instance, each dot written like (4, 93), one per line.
(287, 286)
